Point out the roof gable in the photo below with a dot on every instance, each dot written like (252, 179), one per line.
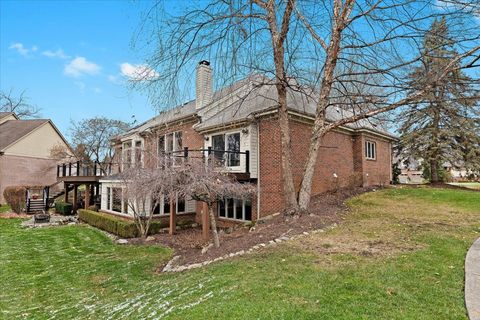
(13, 130)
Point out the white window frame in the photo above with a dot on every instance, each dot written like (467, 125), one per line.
(134, 153)
(162, 207)
(225, 145)
(175, 146)
(370, 150)
(125, 150)
(110, 201)
(235, 209)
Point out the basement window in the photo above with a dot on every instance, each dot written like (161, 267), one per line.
(370, 150)
(236, 209)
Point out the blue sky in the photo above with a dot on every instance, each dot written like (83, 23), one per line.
(72, 58)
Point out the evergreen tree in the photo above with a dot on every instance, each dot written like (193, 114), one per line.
(444, 127)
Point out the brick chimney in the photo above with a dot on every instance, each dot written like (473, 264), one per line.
(204, 91)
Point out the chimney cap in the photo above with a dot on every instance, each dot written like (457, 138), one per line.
(204, 62)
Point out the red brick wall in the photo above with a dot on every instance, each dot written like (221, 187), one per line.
(342, 154)
(378, 171)
(17, 170)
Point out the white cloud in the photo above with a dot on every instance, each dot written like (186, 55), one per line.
(55, 54)
(20, 48)
(138, 72)
(81, 66)
(97, 90)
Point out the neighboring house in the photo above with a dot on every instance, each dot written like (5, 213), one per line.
(25, 146)
(411, 171)
(239, 125)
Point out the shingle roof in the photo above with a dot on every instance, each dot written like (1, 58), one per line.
(5, 114)
(245, 98)
(13, 130)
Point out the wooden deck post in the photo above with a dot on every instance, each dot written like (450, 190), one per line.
(75, 198)
(87, 195)
(173, 217)
(205, 222)
(65, 186)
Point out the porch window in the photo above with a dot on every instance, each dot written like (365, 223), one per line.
(236, 209)
(227, 142)
(370, 150)
(117, 199)
(109, 198)
(163, 208)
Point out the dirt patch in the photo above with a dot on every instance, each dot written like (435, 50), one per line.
(326, 209)
(13, 215)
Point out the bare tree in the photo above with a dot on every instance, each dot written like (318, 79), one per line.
(144, 187)
(341, 53)
(206, 184)
(19, 105)
(160, 178)
(92, 138)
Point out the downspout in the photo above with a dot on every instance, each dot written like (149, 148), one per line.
(258, 171)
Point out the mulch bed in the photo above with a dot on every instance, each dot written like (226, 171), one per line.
(326, 209)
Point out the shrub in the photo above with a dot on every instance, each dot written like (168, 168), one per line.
(64, 208)
(118, 226)
(93, 208)
(15, 197)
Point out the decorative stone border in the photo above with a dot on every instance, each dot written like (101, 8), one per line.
(55, 220)
(169, 267)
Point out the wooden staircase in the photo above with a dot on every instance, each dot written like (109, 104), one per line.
(39, 204)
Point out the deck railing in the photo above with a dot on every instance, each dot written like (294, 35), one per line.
(234, 161)
(231, 161)
(81, 169)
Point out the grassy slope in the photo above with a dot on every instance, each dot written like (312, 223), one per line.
(398, 255)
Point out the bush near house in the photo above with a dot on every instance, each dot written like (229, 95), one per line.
(64, 208)
(118, 226)
(15, 197)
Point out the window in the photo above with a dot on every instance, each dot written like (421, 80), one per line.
(138, 153)
(233, 145)
(163, 208)
(237, 209)
(117, 199)
(230, 143)
(171, 143)
(370, 150)
(109, 198)
(127, 154)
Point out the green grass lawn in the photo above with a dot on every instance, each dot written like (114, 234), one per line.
(398, 254)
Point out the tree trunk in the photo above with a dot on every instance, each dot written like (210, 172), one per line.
(278, 36)
(434, 171)
(213, 223)
(306, 186)
(288, 184)
(318, 126)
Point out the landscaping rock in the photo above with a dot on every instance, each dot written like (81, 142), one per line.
(205, 249)
(122, 241)
(149, 238)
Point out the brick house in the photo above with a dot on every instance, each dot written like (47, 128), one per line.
(25, 157)
(239, 124)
